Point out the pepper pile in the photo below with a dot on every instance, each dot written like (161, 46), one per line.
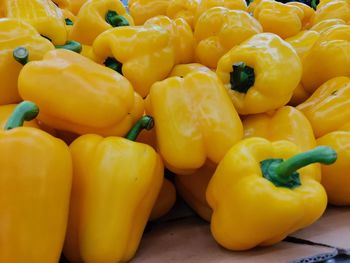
(249, 102)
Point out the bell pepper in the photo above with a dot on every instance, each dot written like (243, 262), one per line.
(260, 193)
(63, 4)
(116, 183)
(308, 13)
(165, 200)
(335, 178)
(142, 10)
(16, 33)
(254, 71)
(97, 16)
(286, 123)
(84, 97)
(195, 120)
(328, 108)
(278, 18)
(145, 58)
(325, 24)
(36, 177)
(185, 9)
(218, 30)
(69, 19)
(75, 5)
(181, 32)
(88, 52)
(44, 15)
(184, 69)
(332, 9)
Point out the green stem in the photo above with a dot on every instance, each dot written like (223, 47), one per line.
(25, 111)
(21, 55)
(145, 122)
(114, 64)
(242, 77)
(314, 4)
(68, 22)
(71, 45)
(116, 20)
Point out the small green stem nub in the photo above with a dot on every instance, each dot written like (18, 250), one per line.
(114, 64)
(25, 111)
(21, 55)
(146, 122)
(68, 22)
(116, 20)
(314, 4)
(242, 77)
(71, 45)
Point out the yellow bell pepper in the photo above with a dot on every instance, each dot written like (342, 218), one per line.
(218, 30)
(143, 54)
(142, 10)
(75, 5)
(332, 9)
(325, 24)
(254, 72)
(252, 5)
(185, 9)
(97, 16)
(328, 108)
(278, 18)
(260, 193)
(83, 97)
(184, 69)
(116, 183)
(44, 15)
(36, 178)
(335, 178)
(308, 13)
(63, 4)
(195, 120)
(16, 33)
(165, 200)
(182, 36)
(6, 112)
(87, 51)
(69, 19)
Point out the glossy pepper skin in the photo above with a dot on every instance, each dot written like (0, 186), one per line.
(17, 33)
(44, 15)
(332, 9)
(254, 71)
(308, 13)
(97, 16)
(335, 178)
(75, 5)
(194, 120)
(116, 183)
(184, 69)
(218, 30)
(35, 195)
(185, 9)
(328, 108)
(63, 4)
(84, 97)
(286, 123)
(325, 24)
(145, 58)
(259, 194)
(142, 10)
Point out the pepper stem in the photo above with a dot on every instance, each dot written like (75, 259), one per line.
(114, 64)
(242, 77)
(21, 55)
(25, 111)
(69, 22)
(145, 122)
(71, 45)
(116, 20)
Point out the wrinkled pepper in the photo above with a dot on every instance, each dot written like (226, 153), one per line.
(185, 9)
(16, 33)
(84, 97)
(260, 74)
(44, 15)
(218, 30)
(145, 58)
(325, 24)
(97, 16)
(195, 120)
(142, 10)
(184, 69)
(332, 9)
(308, 13)
(328, 108)
(36, 178)
(260, 193)
(116, 183)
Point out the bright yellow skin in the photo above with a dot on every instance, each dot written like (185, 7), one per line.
(75, 5)
(281, 19)
(325, 24)
(146, 52)
(5, 113)
(182, 36)
(194, 120)
(184, 69)
(87, 51)
(36, 177)
(165, 200)
(91, 19)
(185, 9)
(308, 13)
(275, 63)
(249, 210)
(116, 183)
(328, 108)
(68, 14)
(218, 30)
(15, 33)
(286, 123)
(142, 10)
(63, 4)
(335, 178)
(332, 9)
(44, 15)
(79, 95)
(328, 58)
